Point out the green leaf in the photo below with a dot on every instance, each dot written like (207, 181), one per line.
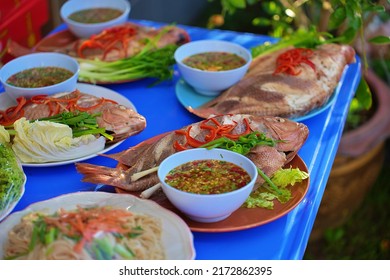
(355, 23)
(261, 200)
(380, 40)
(227, 7)
(374, 8)
(337, 18)
(272, 8)
(349, 35)
(241, 4)
(288, 176)
(261, 22)
(363, 95)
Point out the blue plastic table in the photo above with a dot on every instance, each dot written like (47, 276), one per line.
(284, 238)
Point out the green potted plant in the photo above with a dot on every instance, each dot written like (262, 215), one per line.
(361, 152)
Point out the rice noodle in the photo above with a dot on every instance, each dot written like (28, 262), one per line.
(138, 234)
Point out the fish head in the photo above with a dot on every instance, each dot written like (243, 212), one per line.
(290, 135)
(121, 121)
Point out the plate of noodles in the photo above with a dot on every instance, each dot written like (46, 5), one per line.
(95, 225)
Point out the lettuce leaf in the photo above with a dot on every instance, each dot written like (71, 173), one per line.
(289, 176)
(284, 179)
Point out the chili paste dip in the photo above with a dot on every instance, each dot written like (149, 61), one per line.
(208, 176)
(39, 77)
(214, 61)
(95, 15)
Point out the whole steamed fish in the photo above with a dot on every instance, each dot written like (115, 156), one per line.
(121, 122)
(287, 83)
(288, 136)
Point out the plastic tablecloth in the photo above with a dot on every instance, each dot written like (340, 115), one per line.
(284, 238)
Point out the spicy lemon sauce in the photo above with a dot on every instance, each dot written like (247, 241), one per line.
(214, 61)
(95, 15)
(208, 177)
(39, 77)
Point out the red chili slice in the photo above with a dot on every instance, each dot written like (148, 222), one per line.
(289, 60)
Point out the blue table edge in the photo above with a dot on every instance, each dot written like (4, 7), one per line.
(335, 118)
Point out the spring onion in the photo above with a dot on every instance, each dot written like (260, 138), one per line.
(150, 63)
(81, 123)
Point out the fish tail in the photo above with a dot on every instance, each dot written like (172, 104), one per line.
(103, 175)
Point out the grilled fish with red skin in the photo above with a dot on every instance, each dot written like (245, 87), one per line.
(67, 43)
(263, 93)
(151, 153)
(135, 43)
(123, 122)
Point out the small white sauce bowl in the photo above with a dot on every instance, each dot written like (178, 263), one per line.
(207, 208)
(211, 83)
(85, 30)
(43, 59)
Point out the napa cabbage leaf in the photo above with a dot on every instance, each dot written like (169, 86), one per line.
(46, 141)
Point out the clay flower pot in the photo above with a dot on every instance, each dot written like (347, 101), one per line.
(358, 161)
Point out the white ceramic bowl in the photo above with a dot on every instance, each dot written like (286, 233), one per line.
(39, 60)
(85, 30)
(206, 208)
(211, 83)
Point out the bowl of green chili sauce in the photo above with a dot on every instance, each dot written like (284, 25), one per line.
(207, 185)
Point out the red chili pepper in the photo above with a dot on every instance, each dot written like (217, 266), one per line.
(90, 44)
(99, 103)
(39, 99)
(288, 61)
(10, 115)
(192, 141)
(225, 130)
(217, 123)
(109, 100)
(178, 147)
(182, 132)
(236, 136)
(215, 132)
(21, 102)
(108, 40)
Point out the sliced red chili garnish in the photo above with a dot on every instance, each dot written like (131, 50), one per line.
(215, 132)
(288, 61)
(108, 40)
(99, 103)
(247, 131)
(192, 141)
(178, 147)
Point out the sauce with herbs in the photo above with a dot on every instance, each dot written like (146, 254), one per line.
(95, 15)
(214, 61)
(208, 177)
(39, 77)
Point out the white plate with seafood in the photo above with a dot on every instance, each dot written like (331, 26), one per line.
(98, 91)
(177, 238)
(153, 151)
(189, 98)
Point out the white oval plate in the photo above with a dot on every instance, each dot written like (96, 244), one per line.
(176, 235)
(98, 91)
